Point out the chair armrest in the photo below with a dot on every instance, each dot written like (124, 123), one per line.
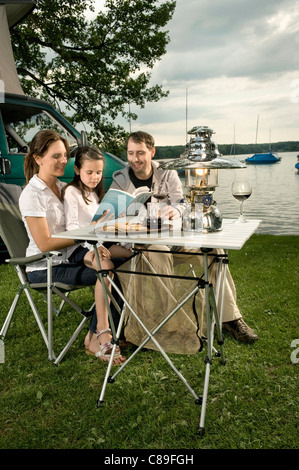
(32, 259)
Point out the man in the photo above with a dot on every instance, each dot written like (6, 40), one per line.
(142, 171)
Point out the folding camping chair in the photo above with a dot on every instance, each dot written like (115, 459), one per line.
(14, 235)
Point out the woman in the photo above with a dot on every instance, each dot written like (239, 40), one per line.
(42, 211)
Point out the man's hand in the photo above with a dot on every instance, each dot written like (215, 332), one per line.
(170, 212)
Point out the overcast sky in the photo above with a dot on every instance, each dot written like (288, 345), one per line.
(237, 59)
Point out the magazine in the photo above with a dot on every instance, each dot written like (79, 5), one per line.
(118, 202)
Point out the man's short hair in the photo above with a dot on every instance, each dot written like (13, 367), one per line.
(140, 136)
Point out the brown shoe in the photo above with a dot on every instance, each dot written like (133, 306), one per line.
(240, 330)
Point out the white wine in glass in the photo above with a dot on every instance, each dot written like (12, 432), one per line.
(241, 190)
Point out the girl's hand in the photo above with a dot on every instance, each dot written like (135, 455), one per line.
(105, 217)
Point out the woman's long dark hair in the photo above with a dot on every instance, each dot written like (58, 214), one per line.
(38, 147)
(87, 153)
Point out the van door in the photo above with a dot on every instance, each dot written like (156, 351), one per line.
(19, 122)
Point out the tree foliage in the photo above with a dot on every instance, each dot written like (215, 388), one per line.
(93, 69)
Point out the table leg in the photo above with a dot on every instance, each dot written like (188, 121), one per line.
(101, 278)
(116, 335)
(107, 375)
(209, 295)
(150, 336)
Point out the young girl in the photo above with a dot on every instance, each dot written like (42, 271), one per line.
(81, 198)
(42, 210)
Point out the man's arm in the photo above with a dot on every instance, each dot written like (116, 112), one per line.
(175, 196)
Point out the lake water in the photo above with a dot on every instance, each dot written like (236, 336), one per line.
(274, 198)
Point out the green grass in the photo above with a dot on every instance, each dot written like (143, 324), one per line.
(252, 401)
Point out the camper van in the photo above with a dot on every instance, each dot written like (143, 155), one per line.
(21, 116)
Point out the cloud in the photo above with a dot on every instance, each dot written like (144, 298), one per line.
(236, 59)
(232, 38)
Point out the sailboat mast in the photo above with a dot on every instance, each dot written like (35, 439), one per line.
(256, 132)
(186, 116)
(233, 146)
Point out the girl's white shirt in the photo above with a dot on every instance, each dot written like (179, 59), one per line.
(77, 212)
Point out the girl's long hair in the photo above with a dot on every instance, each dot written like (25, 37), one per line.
(38, 147)
(87, 153)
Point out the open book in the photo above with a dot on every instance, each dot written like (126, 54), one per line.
(122, 203)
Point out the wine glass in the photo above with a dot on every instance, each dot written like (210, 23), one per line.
(160, 190)
(241, 190)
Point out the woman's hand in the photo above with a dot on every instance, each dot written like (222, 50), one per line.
(104, 253)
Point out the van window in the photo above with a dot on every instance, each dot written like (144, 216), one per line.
(21, 123)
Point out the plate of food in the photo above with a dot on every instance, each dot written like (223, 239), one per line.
(132, 227)
(125, 227)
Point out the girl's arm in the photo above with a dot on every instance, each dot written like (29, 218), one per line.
(39, 230)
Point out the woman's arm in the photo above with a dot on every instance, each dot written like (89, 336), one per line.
(39, 230)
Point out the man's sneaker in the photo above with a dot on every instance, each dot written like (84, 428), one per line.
(240, 330)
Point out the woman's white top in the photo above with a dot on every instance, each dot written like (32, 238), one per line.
(37, 200)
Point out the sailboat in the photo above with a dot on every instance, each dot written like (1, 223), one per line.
(267, 157)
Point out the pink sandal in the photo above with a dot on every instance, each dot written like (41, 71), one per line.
(105, 351)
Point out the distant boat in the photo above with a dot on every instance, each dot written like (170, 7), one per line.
(297, 164)
(268, 157)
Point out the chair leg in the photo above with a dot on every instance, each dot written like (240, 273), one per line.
(56, 311)
(8, 319)
(66, 300)
(71, 341)
(33, 308)
(37, 317)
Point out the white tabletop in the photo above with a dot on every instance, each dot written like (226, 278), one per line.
(232, 236)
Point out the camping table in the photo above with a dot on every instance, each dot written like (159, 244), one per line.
(232, 237)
